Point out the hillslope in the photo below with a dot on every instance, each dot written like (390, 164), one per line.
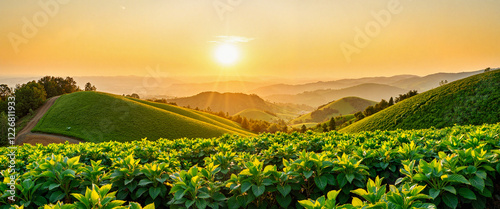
(257, 114)
(97, 117)
(225, 102)
(234, 103)
(473, 100)
(344, 106)
(371, 91)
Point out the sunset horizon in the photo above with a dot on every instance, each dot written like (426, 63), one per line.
(322, 40)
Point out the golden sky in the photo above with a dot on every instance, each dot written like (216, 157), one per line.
(280, 38)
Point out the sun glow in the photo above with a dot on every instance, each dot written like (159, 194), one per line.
(227, 54)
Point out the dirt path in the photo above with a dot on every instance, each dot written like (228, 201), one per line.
(25, 136)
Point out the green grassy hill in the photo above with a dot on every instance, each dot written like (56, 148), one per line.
(473, 100)
(257, 114)
(98, 117)
(344, 106)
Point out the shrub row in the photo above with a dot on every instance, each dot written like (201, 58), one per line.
(454, 167)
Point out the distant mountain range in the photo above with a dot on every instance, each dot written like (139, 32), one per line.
(344, 106)
(233, 103)
(370, 91)
(158, 86)
(337, 84)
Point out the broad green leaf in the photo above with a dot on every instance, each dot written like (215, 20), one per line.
(477, 182)
(201, 203)
(219, 197)
(52, 186)
(308, 174)
(450, 200)
(467, 193)
(258, 190)
(341, 180)
(144, 182)
(245, 186)
(284, 201)
(450, 189)
(154, 192)
(321, 182)
(284, 190)
(349, 177)
(455, 178)
(203, 195)
(179, 194)
(188, 203)
(433, 193)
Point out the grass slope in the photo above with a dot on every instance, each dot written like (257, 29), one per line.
(257, 114)
(473, 100)
(98, 117)
(344, 106)
(231, 103)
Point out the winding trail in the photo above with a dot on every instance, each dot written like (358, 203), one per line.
(25, 136)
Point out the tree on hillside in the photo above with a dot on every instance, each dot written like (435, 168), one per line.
(5, 92)
(331, 124)
(391, 102)
(443, 82)
(55, 86)
(90, 87)
(273, 128)
(244, 123)
(303, 129)
(3, 129)
(369, 111)
(29, 97)
(402, 97)
(256, 127)
(134, 95)
(359, 115)
(284, 129)
(325, 127)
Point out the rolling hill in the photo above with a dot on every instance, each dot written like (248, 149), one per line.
(257, 114)
(231, 103)
(370, 91)
(234, 103)
(97, 117)
(474, 100)
(428, 82)
(344, 106)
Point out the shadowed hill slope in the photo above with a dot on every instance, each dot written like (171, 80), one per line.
(473, 100)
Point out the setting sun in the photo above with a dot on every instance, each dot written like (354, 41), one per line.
(227, 54)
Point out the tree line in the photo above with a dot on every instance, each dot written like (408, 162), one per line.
(370, 110)
(30, 96)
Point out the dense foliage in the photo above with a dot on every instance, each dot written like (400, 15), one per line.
(454, 167)
(474, 100)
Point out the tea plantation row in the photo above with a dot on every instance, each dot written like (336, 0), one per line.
(455, 167)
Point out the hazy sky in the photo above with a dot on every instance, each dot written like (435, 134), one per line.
(282, 38)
